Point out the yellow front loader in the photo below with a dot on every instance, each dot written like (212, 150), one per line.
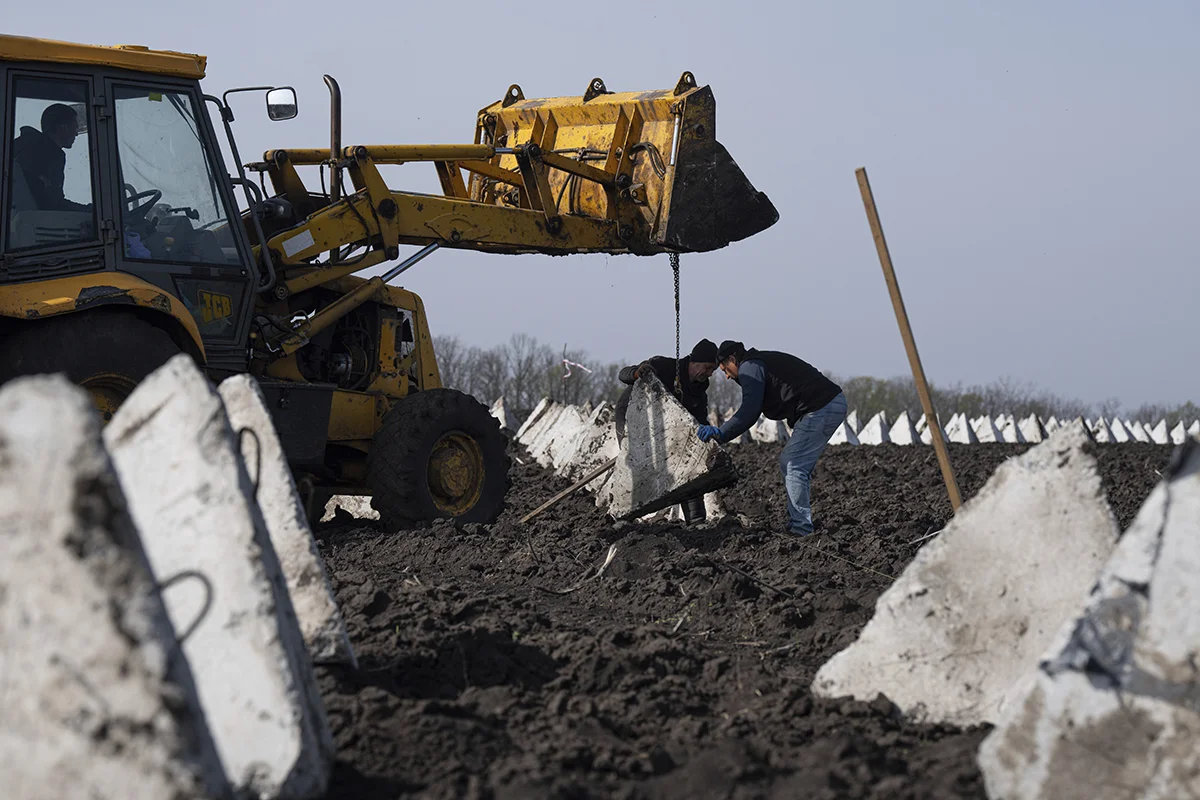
(121, 245)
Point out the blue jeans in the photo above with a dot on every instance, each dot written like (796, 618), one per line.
(799, 456)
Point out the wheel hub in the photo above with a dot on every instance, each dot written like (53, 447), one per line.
(108, 390)
(456, 473)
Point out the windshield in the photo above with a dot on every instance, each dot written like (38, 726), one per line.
(172, 209)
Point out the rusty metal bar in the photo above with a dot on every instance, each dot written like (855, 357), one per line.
(910, 344)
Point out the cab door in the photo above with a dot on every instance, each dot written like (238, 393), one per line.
(176, 224)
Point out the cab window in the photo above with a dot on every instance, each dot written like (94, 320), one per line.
(50, 165)
(172, 209)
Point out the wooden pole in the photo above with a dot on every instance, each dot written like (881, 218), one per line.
(910, 344)
(570, 490)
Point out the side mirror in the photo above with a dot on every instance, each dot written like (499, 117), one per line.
(281, 103)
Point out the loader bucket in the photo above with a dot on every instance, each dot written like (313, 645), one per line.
(675, 187)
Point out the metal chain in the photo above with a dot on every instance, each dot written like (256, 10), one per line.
(675, 268)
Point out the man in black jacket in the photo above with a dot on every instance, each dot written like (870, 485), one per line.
(43, 159)
(691, 388)
(782, 387)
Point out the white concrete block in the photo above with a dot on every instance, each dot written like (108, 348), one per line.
(287, 523)
(1120, 433)
(662, 461)
(1179, 433)
(1032, 429)
(1111, 710)
(534, 434)
(1052, 425)
(875, 432)
(1102, 433)
(1159, 434)
(852, 420)
(922, 423)
(959, 430)
(844, 435)
(194, 503)
(358, 506)
(1194, 428)
(95, 701)
(903, 432)
(595, 446)
(986, 430)
(957, 631)
(535, 416)
(552, 444)
(500, 413)
(1010, 432)
(768, 431)
(1138, 431)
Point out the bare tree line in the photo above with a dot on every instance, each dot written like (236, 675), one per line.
(524, 370)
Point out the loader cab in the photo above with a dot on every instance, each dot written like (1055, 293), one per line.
(139, 189)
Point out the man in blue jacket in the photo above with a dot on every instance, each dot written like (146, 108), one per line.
(782, 387)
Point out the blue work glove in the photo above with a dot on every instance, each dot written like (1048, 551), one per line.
(708, 433)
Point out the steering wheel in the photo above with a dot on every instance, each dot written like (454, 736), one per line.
(135, 212)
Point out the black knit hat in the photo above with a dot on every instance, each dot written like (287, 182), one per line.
(705, 352)
(730, 348)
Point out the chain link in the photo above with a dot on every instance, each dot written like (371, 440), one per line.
(675, 268)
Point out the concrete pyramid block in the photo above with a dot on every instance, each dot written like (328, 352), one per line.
(96, 702)
(1032, 429)
(922, 423)
(768, 431)
(535, 418)
(904, 432)
(1179, 433)
(1052, 424)
(875, 432)
(552, 445)
(357, 506)
(1194, 428)
(595, 446)
(986, 430)
(500, 413)
(1120, 433)
(1111, 710)
(959, 431)
(1011, 431)
(538, 436)
(287, 523)
(1159, 434)
(953, 637)
(191, 498)
(844, 435)
(662, 461)
(852, 421)
(1102, 433)
(1138, 431)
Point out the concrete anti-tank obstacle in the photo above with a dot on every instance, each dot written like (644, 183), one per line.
(1010, 431)
(553, 442)
(875, 432)
(844, 435)
(1120, 433)
(97, 702)
(661, 460)
(1032, 429)
(1101, 433)
(959, 430)
(1138, 431)
(986, 430)
(357, 506)
(194, 504)
(536, 418)
(500, 413)
(1179, 433)
(596, 445)
(287, 523)
(952, 638)
(1112, 710)
(1052, 425)
(852, 421)
(1194, 428)
(1159, 434)
(768, 431)
(903, 431)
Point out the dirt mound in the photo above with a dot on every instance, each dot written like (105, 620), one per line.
(494, 664)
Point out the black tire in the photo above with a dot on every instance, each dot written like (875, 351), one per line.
(105, 351)
(431, 428)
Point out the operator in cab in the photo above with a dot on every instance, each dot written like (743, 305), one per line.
(691, 388)
(43, 158)
(780, 386)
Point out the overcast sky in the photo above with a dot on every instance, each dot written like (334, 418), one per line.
(1035, 165)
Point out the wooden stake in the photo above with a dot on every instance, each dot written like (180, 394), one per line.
(565, 493)
(910, 344)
